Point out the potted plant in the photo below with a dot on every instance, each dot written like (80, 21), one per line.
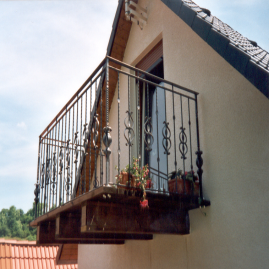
(139, 178)
(177, 179)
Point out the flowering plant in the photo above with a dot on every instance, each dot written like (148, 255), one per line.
(141, 176)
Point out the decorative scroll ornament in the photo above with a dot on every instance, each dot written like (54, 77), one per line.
(95, 140)
(107, 139)
(76, 142)
(95, 131)
(48, 172)
(36, 192)
(166, 138)
(85, 139)
(53, 181)
(61, 160)
(148, 133)
(42, 175)
(67, 162)
(129, 128)
(95, 182)
(183, 148)
(199, 163)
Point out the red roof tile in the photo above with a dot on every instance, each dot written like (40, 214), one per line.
(27, 255)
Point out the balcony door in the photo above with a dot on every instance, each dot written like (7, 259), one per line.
(152, 115)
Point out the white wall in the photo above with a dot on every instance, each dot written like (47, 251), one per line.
(234, 131)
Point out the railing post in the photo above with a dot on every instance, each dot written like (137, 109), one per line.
(107, 139)
(199, 160)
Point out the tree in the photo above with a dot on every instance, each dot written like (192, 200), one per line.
(15, 224)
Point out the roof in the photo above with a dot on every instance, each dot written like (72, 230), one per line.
(27, 255)
(243, 54)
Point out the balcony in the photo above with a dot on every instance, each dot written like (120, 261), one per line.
(118, 161)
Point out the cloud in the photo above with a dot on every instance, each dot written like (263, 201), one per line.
(22, 125)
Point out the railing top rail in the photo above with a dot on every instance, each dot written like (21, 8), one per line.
(152, 76)
(103, 62)
(152, 83)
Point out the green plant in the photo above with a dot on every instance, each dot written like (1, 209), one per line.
(141, 175)
(190, 175)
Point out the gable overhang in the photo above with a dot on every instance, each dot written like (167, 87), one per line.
(119, 34)
(246, 57)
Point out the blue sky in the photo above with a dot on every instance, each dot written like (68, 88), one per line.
(47, 50)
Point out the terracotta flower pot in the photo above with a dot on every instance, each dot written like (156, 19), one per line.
(196, 189)
(125, 178)
(178, 186)
(149, 184)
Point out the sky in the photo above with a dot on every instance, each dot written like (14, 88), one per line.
(47, 50)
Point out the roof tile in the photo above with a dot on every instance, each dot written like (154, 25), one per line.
(26, 255)
(248, 59)
(42, 252)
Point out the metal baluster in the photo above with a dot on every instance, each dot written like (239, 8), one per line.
(81, 150)
(138, 120)
(118, 125)
(61, 165)
(101, 126)
(50, 166)
(90, 157)
(190, 134)
(72, 154)
(107, 139)
(60, 171)
(129, 130)
(46, 175)
(42, 175)
(148, 137)
(199, 160)
(76, 142)
(85, 143)
(54, 161)
(183, 148)
(67, 158)
(37, 185)
(166, 132)
(174, 121)
(95, 137)
(95, 146)
(58, 155)
(158, 153)
(54, 168)
(64, 156)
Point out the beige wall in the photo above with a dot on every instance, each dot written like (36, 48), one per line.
(234, 131)
(160, 253)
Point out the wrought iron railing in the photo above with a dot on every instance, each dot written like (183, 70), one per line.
(160, 128)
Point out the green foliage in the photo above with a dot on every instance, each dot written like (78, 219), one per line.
(15, 224)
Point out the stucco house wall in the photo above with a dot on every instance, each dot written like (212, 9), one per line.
(234, 131)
